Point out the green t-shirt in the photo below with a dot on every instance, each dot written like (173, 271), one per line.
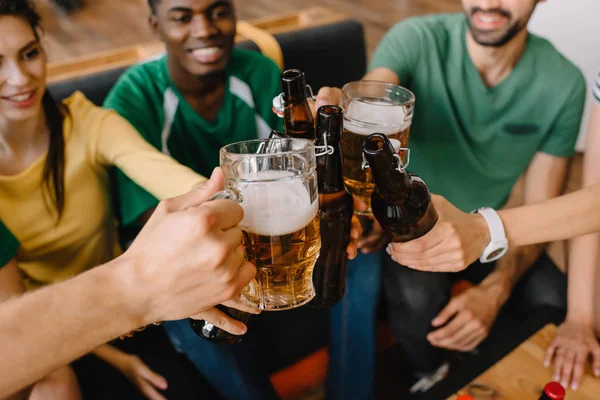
(8, 245)
(471, 143)
(147, 98)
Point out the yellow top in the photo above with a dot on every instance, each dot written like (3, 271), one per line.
(86, 235)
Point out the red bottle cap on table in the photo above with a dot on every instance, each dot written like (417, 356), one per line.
(555, 391)
(465, 397)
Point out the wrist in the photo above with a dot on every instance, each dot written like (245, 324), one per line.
(498, 287)
(496, 243)
(129, 294)
(483, 232)
(580, 317)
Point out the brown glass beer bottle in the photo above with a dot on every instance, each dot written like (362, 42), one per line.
(297, 118)
(401, 202)
(336, 210)
(214, 334)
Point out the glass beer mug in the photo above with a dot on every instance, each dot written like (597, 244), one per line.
(275, 182)
(371, 107)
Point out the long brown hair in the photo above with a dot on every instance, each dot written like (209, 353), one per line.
(54, 167)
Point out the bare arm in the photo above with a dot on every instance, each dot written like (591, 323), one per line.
(583, 251)
(566, 217)
(544, 180)
(50, 327)
(575, 339)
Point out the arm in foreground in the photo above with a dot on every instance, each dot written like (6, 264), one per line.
(201, 244)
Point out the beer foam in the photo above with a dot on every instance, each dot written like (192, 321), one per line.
(390, 118)
(277, 207)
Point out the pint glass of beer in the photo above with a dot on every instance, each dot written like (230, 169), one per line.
(371, 107)
(275, 182)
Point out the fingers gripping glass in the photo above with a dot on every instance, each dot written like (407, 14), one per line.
(275, 182)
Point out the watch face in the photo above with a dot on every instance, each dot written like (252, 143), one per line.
(496, 253)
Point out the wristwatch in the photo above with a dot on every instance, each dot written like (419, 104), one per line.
(498, 245)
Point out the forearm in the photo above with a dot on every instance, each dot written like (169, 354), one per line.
(78, 315)
(561, 218)
(510, 268)
(582, 277)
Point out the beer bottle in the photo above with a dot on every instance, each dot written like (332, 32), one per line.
(297, 117)
(401, 202)
(336, 209)
(214, 334)
(553, 391)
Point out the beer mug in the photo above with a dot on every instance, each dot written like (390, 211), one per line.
(371, 107)
(275, 182)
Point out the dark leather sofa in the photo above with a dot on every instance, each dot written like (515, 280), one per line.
(330, 55)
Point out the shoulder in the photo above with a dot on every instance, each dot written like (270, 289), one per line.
(141, 79)
(434, 25)
(554, 68)
(84, 116)
(81, 109)
(252, 65)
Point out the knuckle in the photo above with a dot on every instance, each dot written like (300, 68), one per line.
(164, 207)
(208, 220)
(220, 321)
(227, 277)
(420, 245)
(229, 292)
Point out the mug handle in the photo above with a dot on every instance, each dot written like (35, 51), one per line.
(227, 194)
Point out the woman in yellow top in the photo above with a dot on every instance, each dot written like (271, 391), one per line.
(54, 188)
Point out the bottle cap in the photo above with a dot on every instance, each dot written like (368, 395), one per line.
(278, 105)
(555, 391)
(397, 145)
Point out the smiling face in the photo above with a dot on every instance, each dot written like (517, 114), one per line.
(22, 70)
(495, 22)
(199, 34)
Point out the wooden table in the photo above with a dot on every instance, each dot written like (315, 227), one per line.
(521, 374)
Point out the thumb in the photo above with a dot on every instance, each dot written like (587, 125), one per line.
(152, 377)
(328, 96)
(448, 312)
(200, 194)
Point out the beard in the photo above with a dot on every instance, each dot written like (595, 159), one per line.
(496, 38)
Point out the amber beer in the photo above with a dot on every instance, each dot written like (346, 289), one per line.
(281, 237)
(336, 209)
(401, 201)
(371, 107)
(275, 182)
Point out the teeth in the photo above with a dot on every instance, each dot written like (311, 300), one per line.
(490, 18)
(22, 97)
(209, 51)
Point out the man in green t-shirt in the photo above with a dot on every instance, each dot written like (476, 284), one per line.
(200, 96)
(493, 103)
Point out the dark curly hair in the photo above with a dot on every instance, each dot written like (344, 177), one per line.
(54, 167)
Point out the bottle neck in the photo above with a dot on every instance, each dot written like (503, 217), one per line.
(330, 125)
(392, 184)
(329, 167)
